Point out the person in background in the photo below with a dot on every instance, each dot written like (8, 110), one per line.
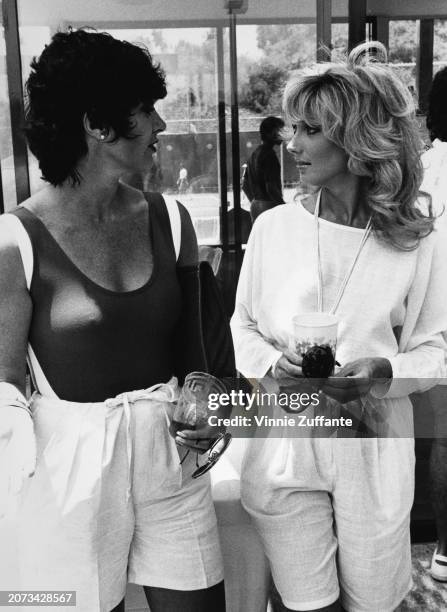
(334, 512)
(261, 182)
(108, 501)
(435, 183)
(182, 181)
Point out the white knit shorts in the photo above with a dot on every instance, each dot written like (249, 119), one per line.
(109, 503)
(334, 517)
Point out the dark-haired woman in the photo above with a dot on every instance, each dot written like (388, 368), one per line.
(334, 512)
(90, 293)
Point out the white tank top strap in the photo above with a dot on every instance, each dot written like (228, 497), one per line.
(22, 238)
(39, 379)
(176, 223)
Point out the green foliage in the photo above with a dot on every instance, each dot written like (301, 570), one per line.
(440, 41)
(403, 41)
(287, 46)
(152, 39)
(283, 48)
(261, 93)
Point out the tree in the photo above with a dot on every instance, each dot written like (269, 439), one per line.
(153, 40)
(285, 48)
(440, 41)
(263, 91)
(288, 46)
(403, 41)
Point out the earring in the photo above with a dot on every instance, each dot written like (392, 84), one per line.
(102, 137)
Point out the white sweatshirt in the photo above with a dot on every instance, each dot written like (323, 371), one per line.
(394, 306)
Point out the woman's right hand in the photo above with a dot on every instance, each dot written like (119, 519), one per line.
(288, 367)
(289, 375)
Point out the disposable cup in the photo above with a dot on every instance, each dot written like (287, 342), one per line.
(314, 329)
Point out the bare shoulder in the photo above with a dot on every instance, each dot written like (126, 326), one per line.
(41, 202)
(46, 205)
(12, 275)
(15, 309)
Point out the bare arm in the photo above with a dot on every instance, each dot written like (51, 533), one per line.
(198, 439)
(15, 313)
(16, 426)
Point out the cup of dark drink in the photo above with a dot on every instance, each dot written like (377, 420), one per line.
(315, 340)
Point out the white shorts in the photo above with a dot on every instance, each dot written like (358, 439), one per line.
(334, 517)
(109, 503)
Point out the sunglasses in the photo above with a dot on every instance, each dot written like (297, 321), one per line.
(213, 454)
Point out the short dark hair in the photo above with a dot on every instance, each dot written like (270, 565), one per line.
(269, 125)
(80, 73)
(437, 107)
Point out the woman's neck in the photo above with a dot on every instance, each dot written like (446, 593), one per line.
(97, 198)
(345, 203)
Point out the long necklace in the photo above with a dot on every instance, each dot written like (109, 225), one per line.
(348, 275)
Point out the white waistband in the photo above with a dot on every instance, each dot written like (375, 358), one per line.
(162, 392)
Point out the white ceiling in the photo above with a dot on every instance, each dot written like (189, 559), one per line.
(54, 13)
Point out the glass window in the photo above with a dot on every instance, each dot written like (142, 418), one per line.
(403, 45)
(185, 165)
(32, 42)
(439, 45)
(6, 156)
(267, 56)
(340, 37)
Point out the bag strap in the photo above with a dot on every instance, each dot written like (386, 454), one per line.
(176, 224)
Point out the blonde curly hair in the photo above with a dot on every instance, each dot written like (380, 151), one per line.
(363, 107)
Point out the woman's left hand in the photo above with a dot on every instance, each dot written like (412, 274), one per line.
(356, 378)
(200, 439)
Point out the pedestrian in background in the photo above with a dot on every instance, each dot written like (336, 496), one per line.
(262, 178)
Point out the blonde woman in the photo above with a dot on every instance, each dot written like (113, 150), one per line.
(334, 513)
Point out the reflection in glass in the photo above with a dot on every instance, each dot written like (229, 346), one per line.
(403, 45)
(6, 156)
(185, 165)
(267, 56)
(339, 36)
(32, 42)
(439, 45)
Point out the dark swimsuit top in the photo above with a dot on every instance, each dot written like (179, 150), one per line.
(93, 343)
